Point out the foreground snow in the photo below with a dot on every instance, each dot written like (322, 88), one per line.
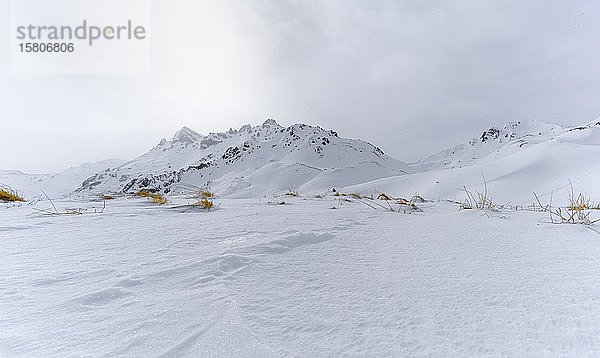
(255, 279)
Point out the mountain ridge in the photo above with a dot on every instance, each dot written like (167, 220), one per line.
(239, 160)
(498, 140)
(269, 158)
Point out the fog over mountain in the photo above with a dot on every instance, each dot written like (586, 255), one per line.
(410, 76)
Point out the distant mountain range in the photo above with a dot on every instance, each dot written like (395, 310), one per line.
(515, 160)
(54, 184)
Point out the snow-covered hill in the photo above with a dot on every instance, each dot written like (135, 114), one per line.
(251, 161)
(494, 143)
(30, 185)
(516, 161)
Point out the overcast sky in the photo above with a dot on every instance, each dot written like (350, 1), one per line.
(412, 77)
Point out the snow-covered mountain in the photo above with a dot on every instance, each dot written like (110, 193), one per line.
(492, 144)
(251, 161)
(57, 184)
(515, 161)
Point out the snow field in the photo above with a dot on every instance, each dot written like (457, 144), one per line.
(253, 279)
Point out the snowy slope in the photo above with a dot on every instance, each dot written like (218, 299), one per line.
(250, 161)
(297, 280)
(543, 162)
(30, 185)
(494, 143)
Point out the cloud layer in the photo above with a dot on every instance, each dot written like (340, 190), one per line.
(411, 76)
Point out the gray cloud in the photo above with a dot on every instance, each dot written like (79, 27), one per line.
(411, 76)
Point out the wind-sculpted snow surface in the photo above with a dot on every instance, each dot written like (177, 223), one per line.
(253, 279)
(248, 162)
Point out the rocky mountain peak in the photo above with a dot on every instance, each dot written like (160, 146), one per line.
(186, 135)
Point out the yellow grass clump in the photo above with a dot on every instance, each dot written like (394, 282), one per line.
(402, 201)
(578, 207)
(354, 195)
(8, 195)
(206, 203)
(359, 196)
(156, 198)
(143, 193)
(384, 196)
(205, 193)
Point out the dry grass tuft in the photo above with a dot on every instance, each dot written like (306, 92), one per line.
(384, 196)
(403, 205)
(206, 198)
(53, 211)
(418, 199)
(10, 196)
(478, 201)
(356, 196)
(155, 198)
(578, 210)
(206, 194)
(143, 193)
(293, 193)
(206, 203)
(402, 201)
(158, 199)
(359, 196)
